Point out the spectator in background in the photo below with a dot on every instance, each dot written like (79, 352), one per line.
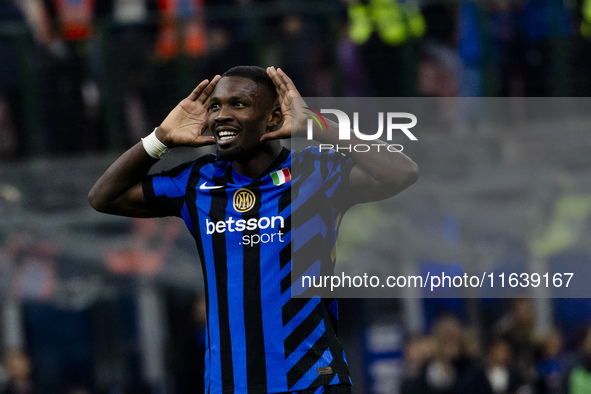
(470, 48)
(505, 48)
(131, 35)
(11, 122)
(498, 375)
(189, 348)
(581, 42)
(182, 29)
(439, 64)
(18, 370)
(518, 328)
(34, 11)
(180, 50)
(541, 22)
(416, 353)
(579, 377)
(146, 250)
(451, 369)
(304, 46)
(353, 71)
(299, 53)
(31, 270)
(67, 74)
(438, 72)
(549, 364)
(232, 39)
(384, 31)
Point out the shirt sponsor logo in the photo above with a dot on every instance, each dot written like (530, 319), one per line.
(240, 225)
(243, 200)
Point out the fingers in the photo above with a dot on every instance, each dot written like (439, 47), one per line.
(272, 135)
(271, 72)
(204, 140)
(277, 80)
(284, 85)
(208, 89)
(202, 92)
(197, 91)
(286, 80)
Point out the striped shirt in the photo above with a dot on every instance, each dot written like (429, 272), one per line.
(259, 338)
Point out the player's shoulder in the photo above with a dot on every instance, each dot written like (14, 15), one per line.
(210, 160)
(188, 167)
(315, 153)
(210, 166)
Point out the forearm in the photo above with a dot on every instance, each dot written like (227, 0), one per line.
(118, 190)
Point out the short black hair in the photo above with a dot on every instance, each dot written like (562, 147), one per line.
(254, 73)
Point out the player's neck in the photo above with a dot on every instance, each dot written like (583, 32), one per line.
(254, 166)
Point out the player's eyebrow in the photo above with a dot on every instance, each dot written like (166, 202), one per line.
(230, 98)
(238, 97)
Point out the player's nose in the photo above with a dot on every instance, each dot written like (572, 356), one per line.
(224, 114)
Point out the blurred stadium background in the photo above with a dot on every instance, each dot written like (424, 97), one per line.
(97, 304)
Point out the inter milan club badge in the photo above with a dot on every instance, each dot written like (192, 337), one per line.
(243, 200)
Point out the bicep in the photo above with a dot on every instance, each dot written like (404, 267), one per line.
(132, 203)
(138, 204)
(364, 188)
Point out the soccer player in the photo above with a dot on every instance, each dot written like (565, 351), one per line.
(238, 206)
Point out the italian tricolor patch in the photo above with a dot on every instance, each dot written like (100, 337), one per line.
(280, 177)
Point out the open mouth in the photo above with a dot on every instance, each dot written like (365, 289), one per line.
(226, 135)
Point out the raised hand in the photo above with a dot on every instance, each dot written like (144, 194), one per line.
(293, 123)
(186, 123)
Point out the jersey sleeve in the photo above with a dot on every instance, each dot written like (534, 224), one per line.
(166, 191)
(335, 168)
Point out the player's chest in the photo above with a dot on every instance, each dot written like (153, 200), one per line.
(241, 201)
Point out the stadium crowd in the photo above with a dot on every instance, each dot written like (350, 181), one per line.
(512, 356)
(100, 67)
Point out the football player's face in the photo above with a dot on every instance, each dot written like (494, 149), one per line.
(239, 114)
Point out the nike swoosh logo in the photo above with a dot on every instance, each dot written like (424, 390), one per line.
(204, 186)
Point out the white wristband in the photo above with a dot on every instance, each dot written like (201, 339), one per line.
(153, 146)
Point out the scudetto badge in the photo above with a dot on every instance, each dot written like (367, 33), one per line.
(243, 200)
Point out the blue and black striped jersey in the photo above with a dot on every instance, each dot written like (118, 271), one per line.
(259, 338)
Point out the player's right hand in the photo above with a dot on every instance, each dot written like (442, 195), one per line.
(186, 123)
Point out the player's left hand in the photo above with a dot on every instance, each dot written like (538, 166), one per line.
(294, 120)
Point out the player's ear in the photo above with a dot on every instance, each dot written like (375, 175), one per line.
(275, 117)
